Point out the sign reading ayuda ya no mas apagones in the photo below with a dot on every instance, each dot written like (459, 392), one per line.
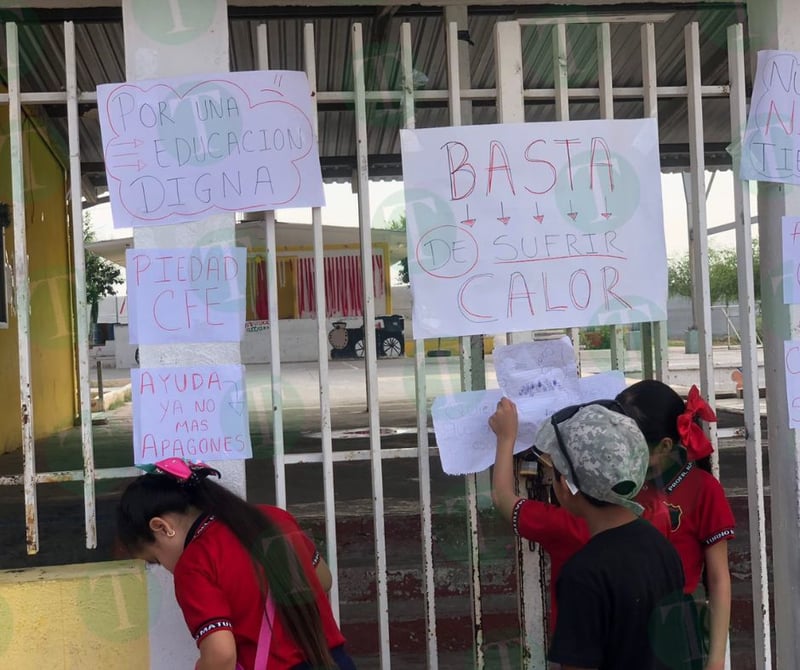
(531, 226)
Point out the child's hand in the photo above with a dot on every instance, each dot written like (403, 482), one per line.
(504, 422)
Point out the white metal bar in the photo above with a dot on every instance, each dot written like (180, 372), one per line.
(752, 406)
(333, 97)
(561, 83)
(655, 17)
(560, 71)
(22, 290)
(358, 455)
(320, 304)
(50, 97)
(423, 443)
(650, 95)
(699, 238)
(82, 326)
(273, 316)
(511, 109)
(362, 153)
(606, 82)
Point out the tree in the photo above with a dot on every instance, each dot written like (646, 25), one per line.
(723, 275)
(400, 224)
(101, 275)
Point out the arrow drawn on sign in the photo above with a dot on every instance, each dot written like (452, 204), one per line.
(236, 405)
(572, 214)
(606, 214)
(537, 216)
(137, 166)
(136, 142)
(503, 218)
(468, 221)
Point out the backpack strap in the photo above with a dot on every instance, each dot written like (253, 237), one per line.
(265, 635)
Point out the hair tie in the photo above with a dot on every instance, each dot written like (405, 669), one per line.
(184, 471)
(691, 433)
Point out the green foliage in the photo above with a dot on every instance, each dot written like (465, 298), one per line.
(597, 337)
(723, 275)
(101, 275)
(400, 224)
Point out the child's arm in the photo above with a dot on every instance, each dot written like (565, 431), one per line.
(719, 602)
(504, 423)
(217, 652)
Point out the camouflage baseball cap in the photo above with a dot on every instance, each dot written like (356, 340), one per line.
(606, 449)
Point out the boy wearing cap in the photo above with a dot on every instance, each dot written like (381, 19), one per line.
(616, 593)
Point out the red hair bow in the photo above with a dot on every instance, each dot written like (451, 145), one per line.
(692, 436)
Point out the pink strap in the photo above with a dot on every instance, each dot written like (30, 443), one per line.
(265, 635)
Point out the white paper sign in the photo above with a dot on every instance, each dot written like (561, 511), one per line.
(466, 442)
(184, 148)
(771, 145)
(532, 368)
(186, 295)
(791, 349)
(190, 412)
(791, 259)
(534, 226)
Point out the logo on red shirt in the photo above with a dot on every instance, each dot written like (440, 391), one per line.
(675, 514)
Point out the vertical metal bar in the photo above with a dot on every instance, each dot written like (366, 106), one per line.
(560, 71)
(747, 330)
(561, 84)
(81, 311)
(322, 342)
(362, 153)
(606, 82)
(423, 446)
(22, 290)
(700, 287)
(510, 109)
(274, 320)
(649, 83)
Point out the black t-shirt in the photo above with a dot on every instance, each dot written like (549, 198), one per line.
(621, 605)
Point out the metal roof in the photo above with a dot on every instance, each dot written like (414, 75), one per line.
(100, 59)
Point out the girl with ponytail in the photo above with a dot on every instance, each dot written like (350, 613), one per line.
(250, 583)
(701, 519)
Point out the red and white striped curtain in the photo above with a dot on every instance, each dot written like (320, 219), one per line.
(257, 303)
(342, 285)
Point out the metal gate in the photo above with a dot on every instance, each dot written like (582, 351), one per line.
(513, 42)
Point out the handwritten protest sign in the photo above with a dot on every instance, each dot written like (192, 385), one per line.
(771, 145)
(531, 226)
(540, 377)
(183, 148)
(190, 412)
(791, 350)
(791, 258)
(460, 421)
(186, 295)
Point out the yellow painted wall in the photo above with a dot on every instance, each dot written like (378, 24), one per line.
(50, 271)
(84, 616)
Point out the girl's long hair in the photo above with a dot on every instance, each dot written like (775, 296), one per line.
(655, 407)
(275, 562)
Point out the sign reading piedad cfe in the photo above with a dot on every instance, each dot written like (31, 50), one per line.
(533, 226)
(181, 149)
(186, 295)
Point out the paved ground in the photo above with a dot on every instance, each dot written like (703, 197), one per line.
(61, 506)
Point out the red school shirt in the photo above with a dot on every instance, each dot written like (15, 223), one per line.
(561, 534)
(700, 515)
(216, 588)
